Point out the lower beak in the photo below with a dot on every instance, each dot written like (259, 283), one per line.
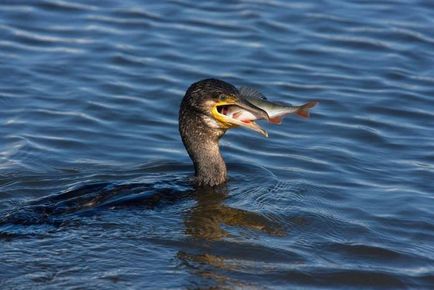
(238, 112)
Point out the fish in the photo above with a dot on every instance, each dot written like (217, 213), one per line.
(276, 111)
(238, 113)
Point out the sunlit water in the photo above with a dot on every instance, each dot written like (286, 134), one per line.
(94, 186)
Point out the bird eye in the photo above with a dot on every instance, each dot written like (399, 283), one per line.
(222, 97)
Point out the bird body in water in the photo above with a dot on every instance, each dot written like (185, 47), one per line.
(209, 108)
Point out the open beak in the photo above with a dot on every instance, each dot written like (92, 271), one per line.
(234, 112)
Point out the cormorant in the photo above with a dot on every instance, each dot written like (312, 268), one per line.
(203, 121)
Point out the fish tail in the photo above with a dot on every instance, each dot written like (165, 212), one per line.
(303, 110)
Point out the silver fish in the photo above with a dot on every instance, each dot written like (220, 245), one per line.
(276, 111)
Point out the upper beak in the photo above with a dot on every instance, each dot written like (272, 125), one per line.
(249, 111)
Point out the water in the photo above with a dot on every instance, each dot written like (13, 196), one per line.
(93, 174)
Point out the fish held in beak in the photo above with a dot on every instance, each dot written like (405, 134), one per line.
(232, 112)
(275, 111)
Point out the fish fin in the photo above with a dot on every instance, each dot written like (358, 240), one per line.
(251, 92)
(303, 111)
(276, 120)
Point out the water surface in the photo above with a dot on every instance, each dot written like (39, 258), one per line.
(94, 187)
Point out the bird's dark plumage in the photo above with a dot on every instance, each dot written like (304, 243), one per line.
(200, 133)
(209, 108)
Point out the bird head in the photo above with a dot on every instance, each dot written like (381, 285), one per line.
(222, 107)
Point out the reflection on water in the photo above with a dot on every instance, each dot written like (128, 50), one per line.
(208, 218)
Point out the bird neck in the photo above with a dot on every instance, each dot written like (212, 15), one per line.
(209, 166)
(202, 144)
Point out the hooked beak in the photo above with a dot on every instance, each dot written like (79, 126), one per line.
(233, 112)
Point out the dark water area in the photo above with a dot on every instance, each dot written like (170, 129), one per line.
(94, 179)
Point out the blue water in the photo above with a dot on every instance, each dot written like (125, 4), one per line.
(93, 174)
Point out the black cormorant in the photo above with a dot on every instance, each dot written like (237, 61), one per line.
(202, 122)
